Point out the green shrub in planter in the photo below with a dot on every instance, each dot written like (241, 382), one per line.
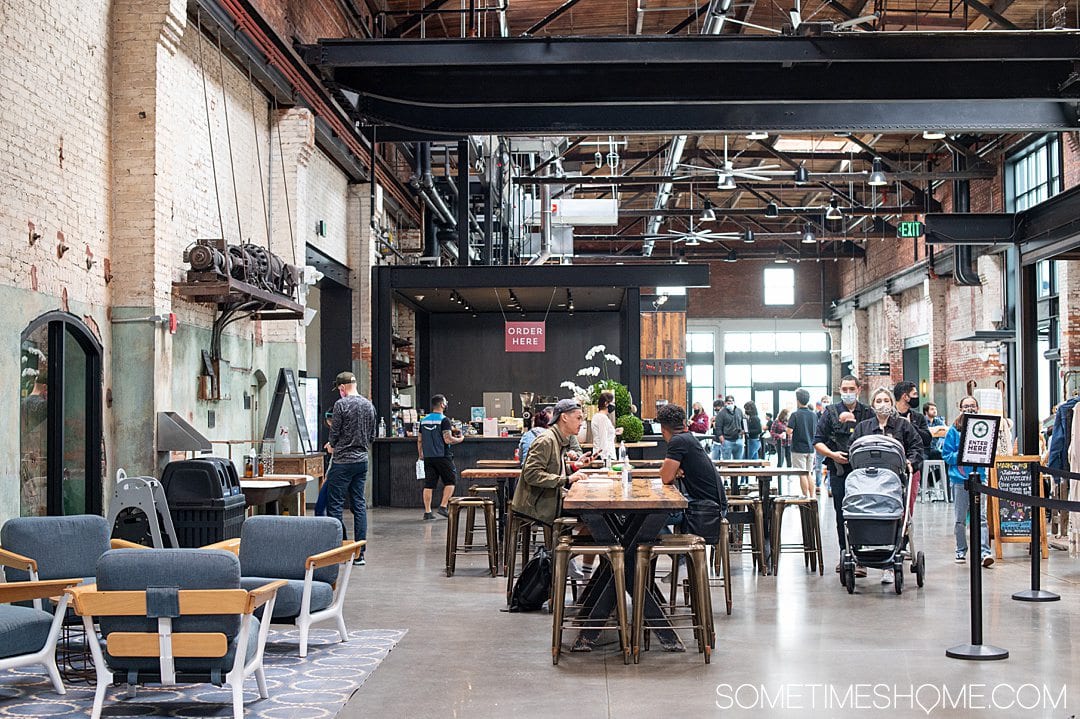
(633, 429)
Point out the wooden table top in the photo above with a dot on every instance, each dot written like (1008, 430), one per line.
(602, 494)
(491, 473)
(761, 471)
(716, 462)
(290, 478)
(262, 484)
(497, 463)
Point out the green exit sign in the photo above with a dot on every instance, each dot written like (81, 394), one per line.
(909, 229)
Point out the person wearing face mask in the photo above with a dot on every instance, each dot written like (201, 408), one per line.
(729, 427)
(831, 440)
(950, 452)
(352, 429)
(906, 395)
(886, 421)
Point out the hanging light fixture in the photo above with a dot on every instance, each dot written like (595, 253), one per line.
(748, 235)
(772, 210)
(757, 135)
(780, 259)
(598, 158)
(834, 213)
(801, 175)
(692, 241)
(933, 135)
(808, 236)
(877, 174)
(731, 256)
(708, 214)
(725, 181)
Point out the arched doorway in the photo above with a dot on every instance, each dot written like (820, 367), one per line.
(60, 417)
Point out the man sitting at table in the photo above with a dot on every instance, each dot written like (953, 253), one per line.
(686, 460)
(548, 466)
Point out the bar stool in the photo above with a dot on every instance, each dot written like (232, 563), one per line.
(471, 504)
(721, 560)
(810, 547)
(700, 618)
(519, 529)
(935, 468)
(747, 511)
(565, 550)
(485, 492)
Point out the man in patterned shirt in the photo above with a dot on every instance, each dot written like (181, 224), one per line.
(352, 428)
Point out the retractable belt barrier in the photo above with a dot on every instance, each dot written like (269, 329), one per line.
(976, 649)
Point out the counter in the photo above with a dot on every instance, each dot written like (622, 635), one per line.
(393, 462)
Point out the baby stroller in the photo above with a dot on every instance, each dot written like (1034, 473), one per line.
(877, 521)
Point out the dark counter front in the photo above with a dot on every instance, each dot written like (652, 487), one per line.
(394, 482)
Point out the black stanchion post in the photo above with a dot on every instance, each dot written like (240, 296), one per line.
(1036, 593)
(976, 650)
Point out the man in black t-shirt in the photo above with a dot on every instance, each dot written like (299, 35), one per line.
(686, 457)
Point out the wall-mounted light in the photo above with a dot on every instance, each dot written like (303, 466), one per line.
(877, 174)
(320, 228)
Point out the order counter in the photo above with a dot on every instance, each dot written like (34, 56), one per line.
(393, 462)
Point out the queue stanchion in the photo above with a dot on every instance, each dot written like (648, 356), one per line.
(976, 650)
(1036, 593)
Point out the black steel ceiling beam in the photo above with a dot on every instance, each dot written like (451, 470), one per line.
(550, 17)
(411, 22)
(689, 19)
(990, 14)
(920, 194)
(981, 173)
(760, 211)
(413, 277)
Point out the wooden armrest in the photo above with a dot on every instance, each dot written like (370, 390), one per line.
(125, 544)
(261, 595)
(89, 601)
(229, 545)
(347, 551)
(24, 591)
(17, 561)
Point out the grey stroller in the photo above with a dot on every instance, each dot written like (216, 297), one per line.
(877, 521)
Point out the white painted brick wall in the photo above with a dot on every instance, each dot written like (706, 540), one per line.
(327, 200)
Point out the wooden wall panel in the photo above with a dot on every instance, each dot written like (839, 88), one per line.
(663, 336)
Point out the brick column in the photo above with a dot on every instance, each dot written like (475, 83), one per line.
(362, 257)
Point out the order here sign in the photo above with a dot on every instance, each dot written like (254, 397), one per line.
(526, 336)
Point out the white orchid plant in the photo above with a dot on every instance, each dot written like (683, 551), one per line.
(592, 374)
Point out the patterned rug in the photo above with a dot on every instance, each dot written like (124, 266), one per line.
(315, 687)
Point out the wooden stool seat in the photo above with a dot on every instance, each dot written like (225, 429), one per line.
(471, 504)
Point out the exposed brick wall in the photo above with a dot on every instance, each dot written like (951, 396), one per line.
(737, 291)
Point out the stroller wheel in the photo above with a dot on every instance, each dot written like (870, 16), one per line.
(920, 568)
(898, 579)
(848, 574)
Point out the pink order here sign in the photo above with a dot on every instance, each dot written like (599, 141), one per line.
(526, 336)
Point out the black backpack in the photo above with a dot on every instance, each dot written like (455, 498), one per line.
(533, 587)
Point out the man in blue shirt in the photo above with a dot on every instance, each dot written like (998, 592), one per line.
(433, 444)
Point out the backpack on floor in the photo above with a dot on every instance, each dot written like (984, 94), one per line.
(533, 587)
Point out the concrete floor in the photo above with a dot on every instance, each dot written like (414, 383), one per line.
(465, 657)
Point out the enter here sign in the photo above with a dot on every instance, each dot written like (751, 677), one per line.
(526, 336)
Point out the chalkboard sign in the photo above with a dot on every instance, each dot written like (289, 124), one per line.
(1012, 520)
(286, 387)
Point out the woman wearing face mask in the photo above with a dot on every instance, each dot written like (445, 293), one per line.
(885, 421)
(950, 451)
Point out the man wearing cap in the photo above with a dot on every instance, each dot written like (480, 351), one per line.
(352, 428)
(550, 466)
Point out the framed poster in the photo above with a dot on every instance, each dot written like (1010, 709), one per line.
(1011, 521)
(978, 440)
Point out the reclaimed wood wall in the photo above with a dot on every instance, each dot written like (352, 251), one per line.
(663, 336)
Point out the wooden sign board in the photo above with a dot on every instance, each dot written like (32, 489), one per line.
(286, 389)
(1011, 521)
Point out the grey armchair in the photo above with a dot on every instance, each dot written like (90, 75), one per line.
(28, 635)
(174, 616)
(307, 552)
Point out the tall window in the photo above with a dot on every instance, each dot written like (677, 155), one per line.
(767, 367)
(1033, 174)
(699, 369)
(779, 286)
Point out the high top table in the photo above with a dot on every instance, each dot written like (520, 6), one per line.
(628, 522)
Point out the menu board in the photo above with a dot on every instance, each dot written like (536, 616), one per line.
(1012, 520)
(286, 389)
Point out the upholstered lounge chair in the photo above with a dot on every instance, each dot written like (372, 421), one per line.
(28, 635)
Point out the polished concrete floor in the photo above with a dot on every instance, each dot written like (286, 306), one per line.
(795, 645)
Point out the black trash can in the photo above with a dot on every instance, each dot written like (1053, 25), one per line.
(205, 500)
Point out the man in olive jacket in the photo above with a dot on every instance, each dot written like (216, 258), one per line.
(546, 466)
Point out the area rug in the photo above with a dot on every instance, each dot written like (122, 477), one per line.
(315, 687)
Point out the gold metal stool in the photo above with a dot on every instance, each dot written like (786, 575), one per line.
(484, 492)
(700, 619)
(747, 511)
(519, 530)
(565, 550)
(453, 550)
(810, 547)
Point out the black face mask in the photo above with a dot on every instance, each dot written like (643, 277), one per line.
(913, 403)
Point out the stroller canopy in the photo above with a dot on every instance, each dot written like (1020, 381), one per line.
(874, 494)
(879, 451)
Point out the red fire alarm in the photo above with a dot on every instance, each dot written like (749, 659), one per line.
(172, 323)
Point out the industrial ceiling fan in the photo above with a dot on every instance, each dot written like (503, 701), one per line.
(694, 237)
(727, 172)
